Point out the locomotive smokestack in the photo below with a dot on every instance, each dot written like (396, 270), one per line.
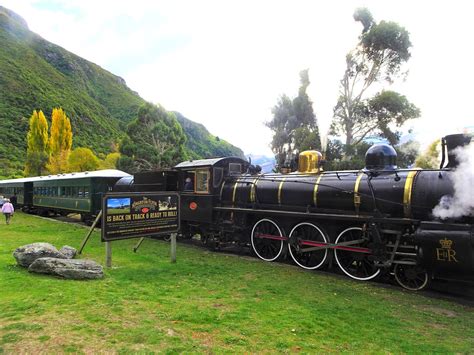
(449, 144)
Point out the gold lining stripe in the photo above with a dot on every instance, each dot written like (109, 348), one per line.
(235, 191)
(356, 192)
(253, 190)
(280, 187)
(315, 191)
(407, 192)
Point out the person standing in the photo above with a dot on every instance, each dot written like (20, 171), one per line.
(8, 210)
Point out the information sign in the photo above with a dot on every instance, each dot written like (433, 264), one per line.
(133, 215)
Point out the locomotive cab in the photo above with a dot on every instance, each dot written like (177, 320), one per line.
(200, 182)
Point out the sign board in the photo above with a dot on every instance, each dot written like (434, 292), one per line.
(143, 214)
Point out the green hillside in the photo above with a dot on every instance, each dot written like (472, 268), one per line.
(37, 74)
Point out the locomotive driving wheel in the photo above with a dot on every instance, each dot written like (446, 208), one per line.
(304, 239)
(352, 255)
(411, 276)
(267, 240)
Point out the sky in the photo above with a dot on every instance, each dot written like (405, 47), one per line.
(225, 63)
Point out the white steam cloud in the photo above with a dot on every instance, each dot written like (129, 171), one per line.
(462, 202)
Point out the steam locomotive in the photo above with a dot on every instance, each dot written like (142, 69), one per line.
(369, 222)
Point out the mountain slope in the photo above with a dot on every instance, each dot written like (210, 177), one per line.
(37, 74)
(202, 144)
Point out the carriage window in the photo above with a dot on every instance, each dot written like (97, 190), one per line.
(74, 191)
(63, 191)
(202, 181)
(86, 191)
(80, 192)
(235, 169)
(68, 191)
(218, 175)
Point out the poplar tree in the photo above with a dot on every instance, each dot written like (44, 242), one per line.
(60, 141)
(37, 153)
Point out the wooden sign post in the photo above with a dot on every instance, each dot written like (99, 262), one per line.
(108, 254)
(173, 247)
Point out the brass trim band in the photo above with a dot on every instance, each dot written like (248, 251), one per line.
(280, 187)
(356, 192)
(234, 191)
(315, 191)
(407, 192)
(253, 190)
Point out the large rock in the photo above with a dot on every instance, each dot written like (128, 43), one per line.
(27, 254)
(68, 252)
(68, 268)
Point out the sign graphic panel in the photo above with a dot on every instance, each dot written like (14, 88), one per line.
(133, 215)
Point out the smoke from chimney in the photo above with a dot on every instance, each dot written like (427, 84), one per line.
(462, 202)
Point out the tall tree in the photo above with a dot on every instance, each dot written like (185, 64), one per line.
(37, 153)
(306, 133)
(382, 50)
(60, 141)
(154, 140)
(294, 123)
(83, 159)
(281, 125)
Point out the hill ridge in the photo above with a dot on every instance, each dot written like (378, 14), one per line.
(38, 74)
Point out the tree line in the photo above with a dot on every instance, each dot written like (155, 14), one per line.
(153, 140)
(376, 61)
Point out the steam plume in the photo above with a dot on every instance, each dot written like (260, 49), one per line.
(462, 202)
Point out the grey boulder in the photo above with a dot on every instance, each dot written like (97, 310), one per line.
(68, 268)
(27, 254)
(68, 252)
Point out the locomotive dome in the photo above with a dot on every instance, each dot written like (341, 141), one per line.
(381, 157)
(309, 162)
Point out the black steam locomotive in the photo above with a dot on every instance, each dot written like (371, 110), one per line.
(374, 221)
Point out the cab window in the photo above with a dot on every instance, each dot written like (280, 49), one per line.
(235, 169)
(202, 181)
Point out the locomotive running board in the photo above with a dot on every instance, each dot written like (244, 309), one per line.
(344, 217)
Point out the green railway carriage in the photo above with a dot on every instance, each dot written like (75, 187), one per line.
(22, 188)
(75, 192)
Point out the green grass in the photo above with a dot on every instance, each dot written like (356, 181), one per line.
(208, 302)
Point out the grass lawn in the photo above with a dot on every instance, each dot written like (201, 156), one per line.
(208, 302)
